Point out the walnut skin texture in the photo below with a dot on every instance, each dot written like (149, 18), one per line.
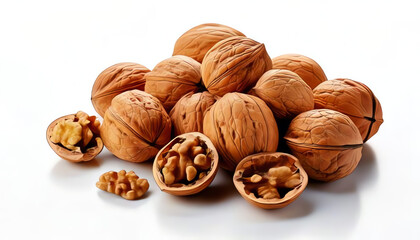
(135, 126)
(239, 125)
(186, 165)
(234, 65)
(197, 41)
(354, 99)
(173, 78)
(285, 93)
(114, 80)
(127, 185)
(305, 67)
(326, 142)
(75, 137)
(270, 180)
(188, 113)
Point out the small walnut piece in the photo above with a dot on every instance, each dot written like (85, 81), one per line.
(127, 185)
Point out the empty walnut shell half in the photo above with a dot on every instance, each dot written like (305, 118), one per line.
(234, 65)
(326, 142)
(270, 180)
(197, 41)
(188, 113)
(305, 67)
(186, 165)
(135, 126)
(75, 137)
(284, 92)
(173, 78)
(240, 125)
(354, 99)
(114, 80)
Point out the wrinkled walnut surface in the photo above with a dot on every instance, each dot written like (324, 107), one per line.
(126, 184)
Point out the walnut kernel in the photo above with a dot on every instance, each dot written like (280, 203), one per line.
(127, 185)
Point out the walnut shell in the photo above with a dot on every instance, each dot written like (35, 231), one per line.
(93, 149)
(114, 80)
(197, 41)
(196, 185)
(284, 92)
(135, 126)
(173, 78)
(234, 65)
(305, 67)
(188, 113)
(354, 99)
(259, 164)
(240, 125)
(326, 142)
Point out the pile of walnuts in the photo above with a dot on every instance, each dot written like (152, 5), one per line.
(221, 98)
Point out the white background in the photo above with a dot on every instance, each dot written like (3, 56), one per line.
(51, 53)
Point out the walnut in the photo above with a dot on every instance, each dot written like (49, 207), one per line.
(197, 41)
(354, 99)
(114, 80)
(234, 65)
(326, 142)
(186, 165)
(188, 113)
(305, 67)
(270, 180)
(135, 126)
(75, 137)
(239, 125)
(284, 92)
(173, 78)
(127, 185)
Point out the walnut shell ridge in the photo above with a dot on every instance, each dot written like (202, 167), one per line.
(197, 41)
(135, 126)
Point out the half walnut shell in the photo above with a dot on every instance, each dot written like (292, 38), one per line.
(253, 174)
(182, 185)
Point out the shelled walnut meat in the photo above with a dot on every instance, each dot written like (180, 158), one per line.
(197, 41)
(234, 65)
(114, 80)
(326, 142)
(270, 180)
(126, 184)
(239, 125)
(75, 137)
(284, 92)
(186, 165)
(135, 126)
(354, 99)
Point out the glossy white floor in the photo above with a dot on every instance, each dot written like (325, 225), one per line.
(51, 53)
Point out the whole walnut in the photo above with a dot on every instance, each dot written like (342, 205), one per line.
(135, 126)
(173, 78)
(197, 41)
(326, 142)
(114, 80)
(234, 65)
(188, 113)
(240, 125)
(284, 92)
(305, 67)
(354, 99)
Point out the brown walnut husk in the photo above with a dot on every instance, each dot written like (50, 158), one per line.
(188, 113)
(326, 142)
(114, 80)
(197, 41)
(305, 67)
(260, 164)
(135, 126)
(239, 125)
(234, 65)
(354, 99)
(284, 92)
(173, 78)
